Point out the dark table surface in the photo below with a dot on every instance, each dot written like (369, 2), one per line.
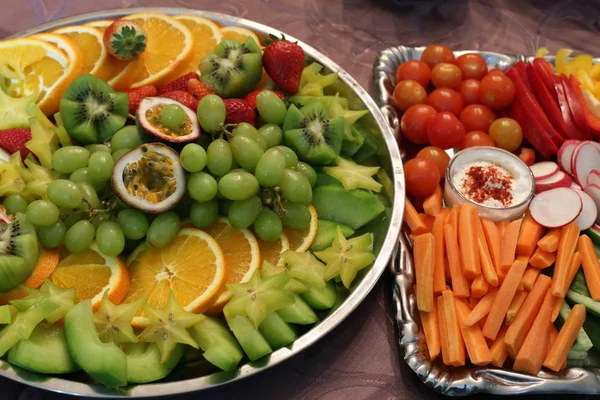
(359, 360)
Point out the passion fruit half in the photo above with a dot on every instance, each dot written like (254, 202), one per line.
(149, 120)
(149, 178)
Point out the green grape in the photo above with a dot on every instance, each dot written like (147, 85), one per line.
(126, 138)
(72, 219)
(295, 216)
(211, 113)
(122, 204)
(204, 214)
(246, 151)
(64, 193)
(42, 213)
(15, 203)
(172, 116)
(100, 166)
(238, 185)
(84, 175)
(100, 218)
(219, 157)
(270, 167)
(270, 107)
(134, 223)
(163, 229)
(291, 159)
(245, 129)
(90, 197)
(268, 226)
(110, 238)
(119, 153)
(243, 213)
(307, 171)
(70, 158)
(92, 148)
(193, 157)
(202, 186)
(271, 133)
(295, 187)
(224, 206)
(51, 236)
(80, 236)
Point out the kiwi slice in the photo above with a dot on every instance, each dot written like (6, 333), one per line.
(314, 136)
(92, 111)
(233, 69)
(18, 252)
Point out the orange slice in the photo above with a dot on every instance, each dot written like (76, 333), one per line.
(100, 24)
(36, 67)
(239, 33)
(301, 239)
(241, 251)
(169, 46)
(92, 273)
(206, 36)
(271, 251)
(192, 265)
(113, 65)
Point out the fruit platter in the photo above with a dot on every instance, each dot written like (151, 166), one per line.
(187, 199)
(496, 279)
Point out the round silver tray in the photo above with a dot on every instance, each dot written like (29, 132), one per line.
(189, 378)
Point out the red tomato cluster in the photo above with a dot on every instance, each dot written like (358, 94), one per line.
(452, 102)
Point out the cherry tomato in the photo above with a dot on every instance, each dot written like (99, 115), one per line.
(497, 91)
(445, 130)
(408, 93)
(422, 177)
(476, 138)
(497, 71)
(477, 117)
(416, 70)
(507, 133)
(446, 75)
(446, 99)
(469, 90)
(472, 66)
(437, 53)
(414, 123)
(437, 155)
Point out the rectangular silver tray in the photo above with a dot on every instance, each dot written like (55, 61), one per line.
(446, 380)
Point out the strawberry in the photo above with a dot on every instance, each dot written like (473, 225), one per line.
(251, 97)
(13, 140)
(198, 89)
(237, 110)
(138, 94)
(180, 83)
(124, 39)
(183, 97)
(284, 62)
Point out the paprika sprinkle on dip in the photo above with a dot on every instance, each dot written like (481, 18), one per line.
(485, 182)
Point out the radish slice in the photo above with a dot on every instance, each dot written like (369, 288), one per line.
(544, 169)
(565, 153)
(593, 178)
(589, 211)
(594, 192)
(4, 156)
(558, 180)
(586, 158)
(575, 186)
(555, 208)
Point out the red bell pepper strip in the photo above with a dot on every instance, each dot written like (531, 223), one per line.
(521, 69)
(546, 72)
(547, 101)
(575, 107)
(532, 130)
(592, 121)
(573, 131)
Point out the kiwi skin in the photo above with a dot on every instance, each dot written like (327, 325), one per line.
(19, 254)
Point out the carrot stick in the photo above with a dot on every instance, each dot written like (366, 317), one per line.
(479, 287)
(591, 265)
(566, 248)
(413, 220)
(494, 242)
(574, 265)
(456, 345)
(498, 349)
(549, 242)
(460, 286)
(529, 277)
(439, 250)
(530, 233)
(473, 302)
(558, 301)
(502, 225)
(552, 335)
(487, 265)
(423, 249)
(515, 306)
(503, 299)
(452, 217)
(427, 220)
(431, 329)
(477, 348)
(433, 204)
(442, 331)
(482, 308)
(566, 337)
(517, 332)
(542, 259)
(531, 355)
(509, 246)
(467, 240)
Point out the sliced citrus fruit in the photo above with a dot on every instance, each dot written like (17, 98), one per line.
(271, 251)
(64, 44)
(100, 24)
(92, 273)
(192, 265)
(89, 41)
(169, 46)
(36, 67)
(301, 239)
(241, 251)
(239, 33)
(206, 36)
